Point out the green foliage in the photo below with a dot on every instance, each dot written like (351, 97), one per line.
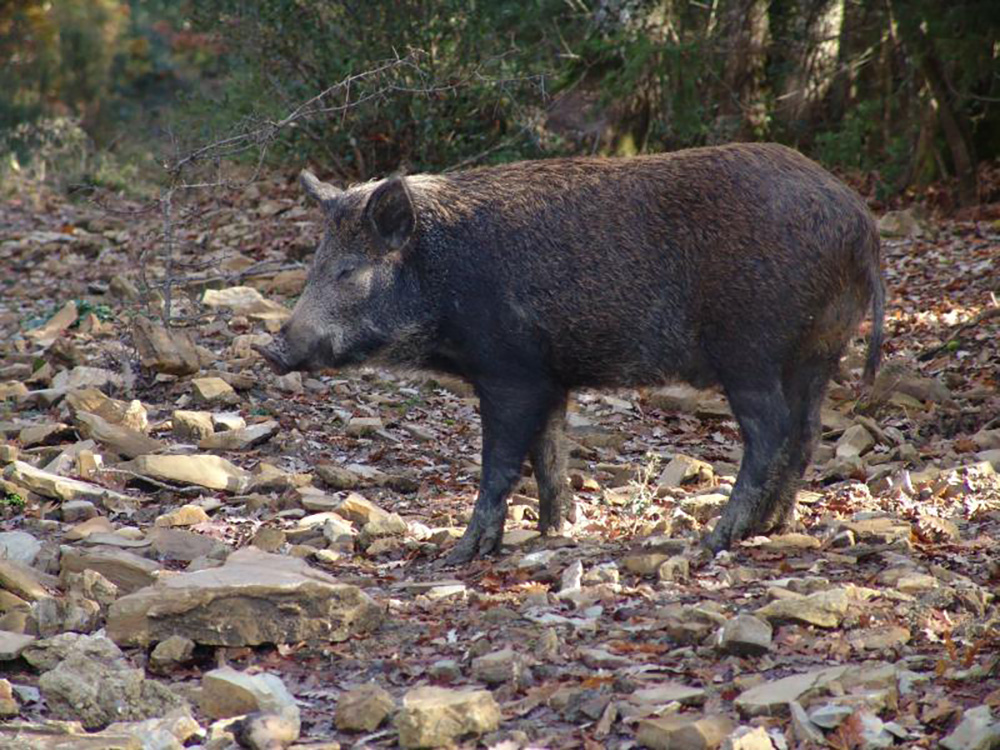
(82, 87)
(85, 308)
(61, 51)
(44, 145)
(12, 501)
(88, 85)
(58, 150)
(476, 81)
(846, 145)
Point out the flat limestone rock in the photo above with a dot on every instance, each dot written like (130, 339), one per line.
(58, 323)
(213, 390)
(12, 644)
(668, 692)
(168, 351)
(436, 717)
(186, 515)
(132, 414)
(745, 635)
(49, 433)
(126, 570)
(254, 598)
(363, 709)
(21, 580)
(824, 609)
(245, 300)
(977, 730)
(683, 469)
(684, 731)
(358, 510)
(19, 546)
(317, 501)
(46, 653)
(855, 441)
(228, 692)
(213, 472)
(498, 667)
(192, 425)
(62, 735)
(120, 439)
(241, 439)
(180, 544)
(52, 485)
(772, 698)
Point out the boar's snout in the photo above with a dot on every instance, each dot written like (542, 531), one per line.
(276, 356)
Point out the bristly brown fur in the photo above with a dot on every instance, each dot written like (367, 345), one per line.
(747, 266)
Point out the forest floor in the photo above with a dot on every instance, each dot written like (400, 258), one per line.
(873, 623)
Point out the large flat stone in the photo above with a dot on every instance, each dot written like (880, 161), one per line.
(171, 351)
(128, 414)
(21, 580)
(772, 698)
(213, 472)
(240, 440)
(437, 717)
(127, 571)
(824, 609)
(254, 598)
(684, 732)
(12, 644)
(120, 439)
(62, 735)
(228, 692)
(61, 488)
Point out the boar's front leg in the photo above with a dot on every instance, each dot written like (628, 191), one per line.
(514, 415)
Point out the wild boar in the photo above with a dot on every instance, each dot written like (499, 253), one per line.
(746, 266)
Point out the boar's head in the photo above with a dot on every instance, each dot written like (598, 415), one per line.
(362, 298)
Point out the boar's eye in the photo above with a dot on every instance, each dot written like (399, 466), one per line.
(345, 272)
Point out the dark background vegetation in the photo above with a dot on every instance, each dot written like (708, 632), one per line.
(902, 93)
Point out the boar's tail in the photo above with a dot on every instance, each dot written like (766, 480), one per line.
(874, 265)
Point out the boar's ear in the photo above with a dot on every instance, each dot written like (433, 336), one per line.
(322, 192)
(390, 213)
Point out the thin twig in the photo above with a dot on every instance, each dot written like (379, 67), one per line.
(192, 489)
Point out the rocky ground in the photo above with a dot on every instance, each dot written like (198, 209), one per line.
(196, 553)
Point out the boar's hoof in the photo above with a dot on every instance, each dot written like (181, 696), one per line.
(475, 542)
(723, 536)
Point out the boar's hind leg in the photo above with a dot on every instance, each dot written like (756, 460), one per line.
(548, 459)
(804, 388)
(765, 423)
(513, 417)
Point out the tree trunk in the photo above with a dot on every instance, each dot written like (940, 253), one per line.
(742, 32)
(959, 144)
(812, 51)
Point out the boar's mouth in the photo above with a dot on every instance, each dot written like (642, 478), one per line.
(321, 355)
(318, 358)
(276, 357)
